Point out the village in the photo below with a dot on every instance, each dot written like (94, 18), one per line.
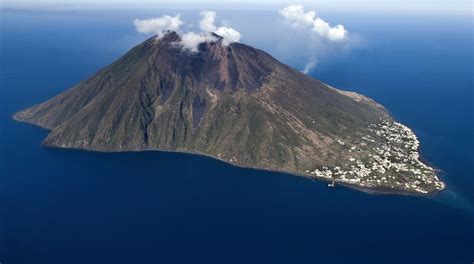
(387, 160)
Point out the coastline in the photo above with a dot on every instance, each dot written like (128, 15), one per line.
(364, 189)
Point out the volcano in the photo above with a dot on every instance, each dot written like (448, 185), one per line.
(238, 104)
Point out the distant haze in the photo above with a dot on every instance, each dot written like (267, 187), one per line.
(392, 6)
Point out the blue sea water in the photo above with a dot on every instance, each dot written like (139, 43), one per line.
(62, 206)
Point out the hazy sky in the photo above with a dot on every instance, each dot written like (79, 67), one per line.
(463, 6)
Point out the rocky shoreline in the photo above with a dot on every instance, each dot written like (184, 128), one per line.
(378, 190)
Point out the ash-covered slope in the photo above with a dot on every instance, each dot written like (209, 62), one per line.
(238, 104)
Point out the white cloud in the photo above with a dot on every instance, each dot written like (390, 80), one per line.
(208, 18)
(228, 34)
(318, 34)
(158, 25)
(298, 18)
(207, 24)
(192, 40)
(189, 40)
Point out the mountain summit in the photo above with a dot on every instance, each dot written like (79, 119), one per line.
(238, 104)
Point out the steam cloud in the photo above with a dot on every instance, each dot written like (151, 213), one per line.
(192, 40)
(297, 17)
(158, 25)
(189, 40)
(207, 24)
(317, 28)
(320, 32)
(309, 66)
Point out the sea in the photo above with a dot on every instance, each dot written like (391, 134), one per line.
(68, 206)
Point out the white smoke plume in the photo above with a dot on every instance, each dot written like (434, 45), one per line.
(298, 18)
(189, 40)
(158, 25)
(207, 22)
(320, 33)
(207, 25)
(309, 66)
(228, 34)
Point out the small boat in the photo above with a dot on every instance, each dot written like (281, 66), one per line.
(332, 184)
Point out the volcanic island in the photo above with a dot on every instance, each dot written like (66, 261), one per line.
(238, 104)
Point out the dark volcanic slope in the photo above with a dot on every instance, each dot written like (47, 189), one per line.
(232, 102)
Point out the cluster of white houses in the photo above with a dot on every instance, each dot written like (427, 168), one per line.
(388, 159)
